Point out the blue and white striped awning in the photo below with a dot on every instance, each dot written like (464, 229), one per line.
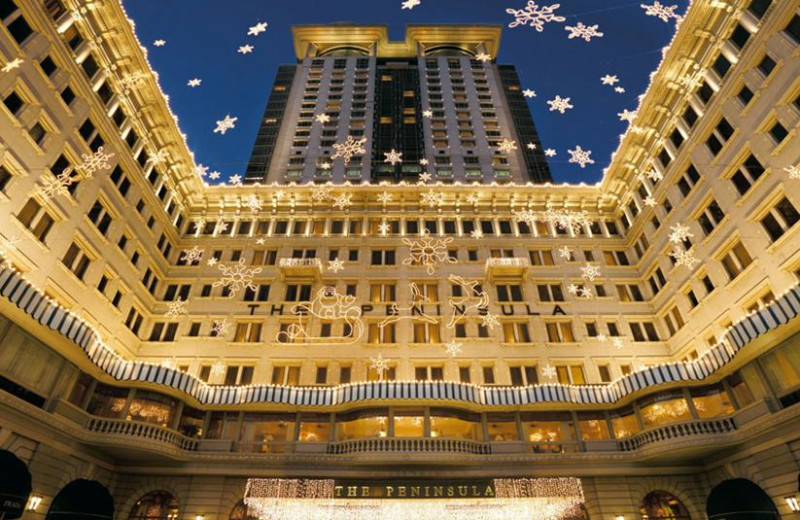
(33, 302)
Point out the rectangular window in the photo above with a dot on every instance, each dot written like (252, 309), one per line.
(509, 293)
(779, 219)
(550, 292)
(736, 260)
(778, 133)
(747, 174)
(792, 29)
(560, 332)
(36, 219)
(721, 134)
(523, 375)
(710, 218)
(383, 257)
(249, 332)
(76, 260)
(570, 374)
(644, 331)
(516, 333)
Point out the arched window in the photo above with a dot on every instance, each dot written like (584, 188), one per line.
(155, 505)
(660, 504)
(15, 485)
(239, 512)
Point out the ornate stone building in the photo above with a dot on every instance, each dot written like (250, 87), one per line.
(343, 337)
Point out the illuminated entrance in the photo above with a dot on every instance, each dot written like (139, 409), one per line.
(486, 499)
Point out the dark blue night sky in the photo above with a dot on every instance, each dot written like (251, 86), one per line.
(202, 38)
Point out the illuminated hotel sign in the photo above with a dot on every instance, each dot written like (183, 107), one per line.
(411, 489)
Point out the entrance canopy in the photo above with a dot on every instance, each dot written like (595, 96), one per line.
(489, 499)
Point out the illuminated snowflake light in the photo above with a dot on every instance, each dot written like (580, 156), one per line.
(429, 252)
(237, 277)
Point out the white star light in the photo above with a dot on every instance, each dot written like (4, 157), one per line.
(650, 202)
(586, 32)
(349, 148)
(661, 11)
(424, 177)
(573, 289)
(392, 157)
(680, 232)
(427, 113)
(535, 15)
(528, 93)
(432, 199)
(627, 115)
(225, 125)
(254, 203)
(423, 162)
(159, 43)
(602, 338)
(453, 348)
(490, 321)
(793, 171)
(257, 29)
(685, 258)
(322, 118)
(549, 371)
(507, 146)
(565, 253)
(531, 146)
(482, 56)
(580, 156)
(13, 64)
(379, 364)
(211, 262)
(214, 175)
(619, 90)
(617, 342)
(235, 180)
(194, 82)
(220, 327)
(654, 175)
(476, 234)
(385, 197)
(245, 49)
(176, 308)
(192, 256)
(609, 79)
(550, 152)
(560, 104)
(384, 228)
(345, 200)
(473, 198)
(590, 272)
(335, 265)
(410, 4)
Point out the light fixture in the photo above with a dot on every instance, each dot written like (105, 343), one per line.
(33, 503)
(619, 517)
(199, 517)
(793, 504)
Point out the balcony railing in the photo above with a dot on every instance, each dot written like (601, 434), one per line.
(677, 431)
(140, 430)
(301, 267)
(506, 267)
(425, 445)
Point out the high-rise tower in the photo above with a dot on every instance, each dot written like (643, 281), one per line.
(437, 98)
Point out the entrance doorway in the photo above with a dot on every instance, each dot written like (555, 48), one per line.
(740, 499)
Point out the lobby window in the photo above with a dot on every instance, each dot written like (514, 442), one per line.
(265, 257)
(261, 294)
(76, 260)
(248, 332)
(711, 217)
(16, 24)
(383, 257)
(285, 375)
(673, 320)
(540, 257)
(13, 102)
(345, 374)
(298, 293)
(708, 284)
(629, 293)
(739, 36)
(605, 373)
(523, 375)
(778, 132)
(767, 65)
(238, 375)
(793, 29)
(559, 332)
(570, 374)
(428, 373)
(510, 293)
(488, 374)
(377, 335)
(780, 219)
(134, 320)
(516, 332)
(382, 292)
(688, 180)
(550, 292)
(644, 331)
(657, 281)
(719, 136)
(747, 174)
(163, 331)
(426, 333)
(721, 65)
(736, 260)
(100, 217)
(36, 219)
(745, 95)
(692, 297)
(321, 376)
(615, 258)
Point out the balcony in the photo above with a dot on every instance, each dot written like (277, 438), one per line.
(514, 267)
(409, 445)
(310, 268)
(111, 428)
(693, 429)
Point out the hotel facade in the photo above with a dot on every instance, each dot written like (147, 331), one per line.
(397, 312)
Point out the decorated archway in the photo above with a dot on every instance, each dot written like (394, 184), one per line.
(82, 499)
(740, 499)
(660, 504)
(155, 505)
(15, 485)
